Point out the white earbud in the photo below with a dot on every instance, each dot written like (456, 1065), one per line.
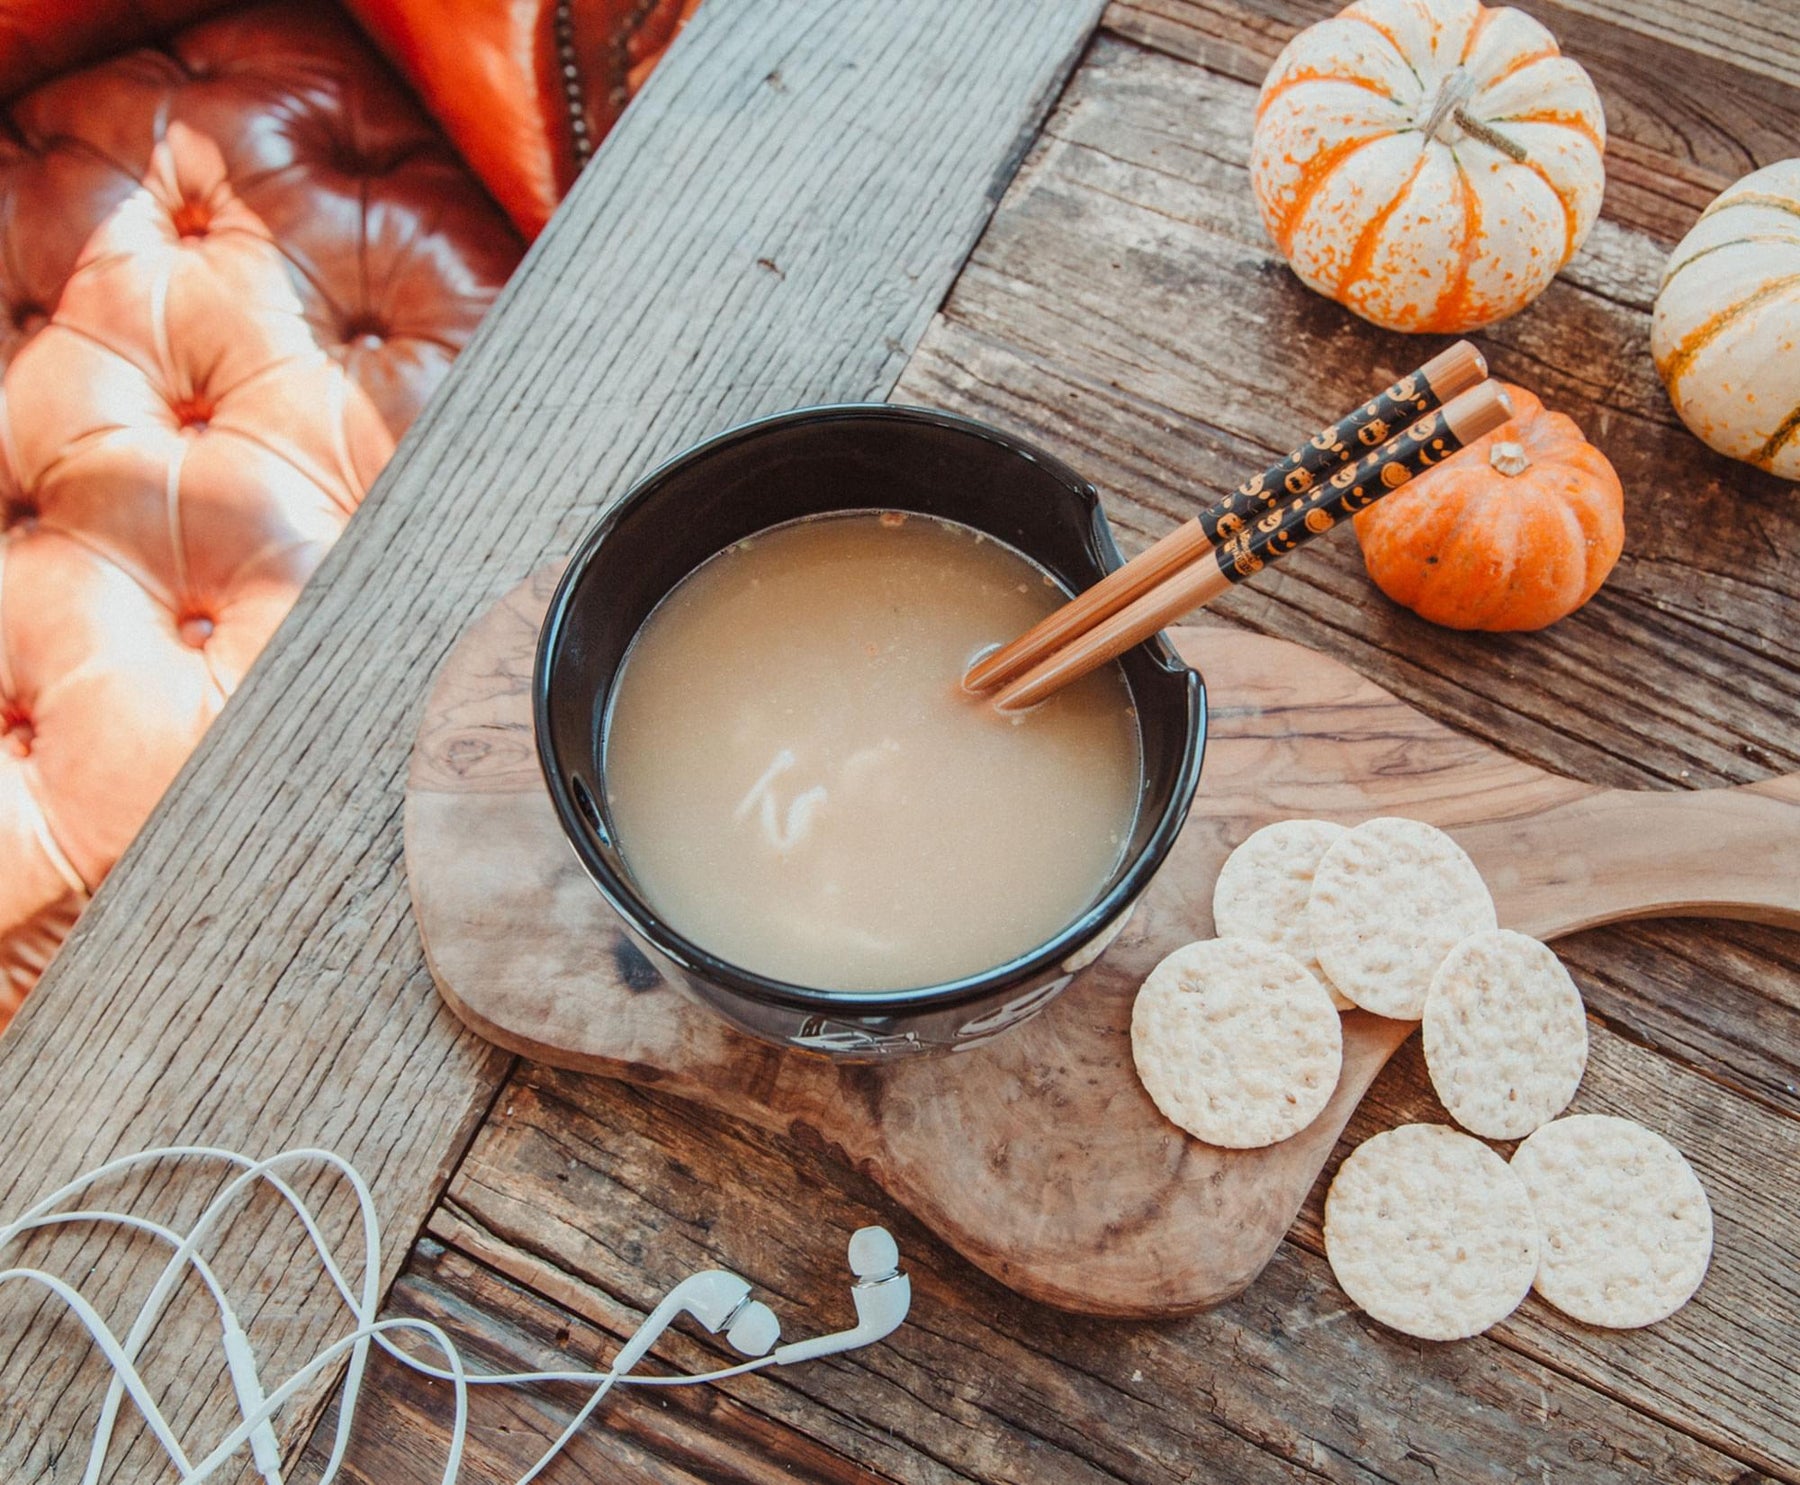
(721, 1301)
(882, 1296)
(712, 1297)
(874, 1254)
(754, 1329)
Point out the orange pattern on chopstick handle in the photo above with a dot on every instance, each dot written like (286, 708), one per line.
(1320, 507)
(1370, 426)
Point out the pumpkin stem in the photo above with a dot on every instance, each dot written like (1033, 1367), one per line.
(1450, 107)
(1509, 458)
(1491, 137)
(1455, 90)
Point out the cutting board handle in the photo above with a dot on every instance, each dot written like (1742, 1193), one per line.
(1618, 853)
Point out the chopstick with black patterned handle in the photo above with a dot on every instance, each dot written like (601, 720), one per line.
(1420, 392)
(1278, 530)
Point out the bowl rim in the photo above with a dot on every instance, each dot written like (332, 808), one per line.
(861, 1005)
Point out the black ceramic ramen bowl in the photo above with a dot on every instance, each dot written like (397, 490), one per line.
(813, 462)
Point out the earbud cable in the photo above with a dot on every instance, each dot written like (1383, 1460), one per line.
(257, 1417)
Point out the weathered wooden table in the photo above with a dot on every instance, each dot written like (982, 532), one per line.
(802, 186)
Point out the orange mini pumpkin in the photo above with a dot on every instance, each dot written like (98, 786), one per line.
(1515, 532)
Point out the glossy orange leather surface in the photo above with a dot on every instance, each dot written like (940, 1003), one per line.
(41, 38)
(491, 73)
(232, 269)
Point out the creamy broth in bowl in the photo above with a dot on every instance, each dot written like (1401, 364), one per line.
(799, 785)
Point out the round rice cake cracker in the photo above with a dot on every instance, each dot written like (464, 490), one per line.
(1263, 887)
(1431, 1232)
(1235, 1042)
(1389, 901)
(1624, 1225)
(1506, 1038)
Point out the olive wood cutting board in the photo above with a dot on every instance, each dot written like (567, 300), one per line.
(1037, 1155)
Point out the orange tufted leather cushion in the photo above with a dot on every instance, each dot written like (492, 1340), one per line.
(40, 38)
(493, 72)
(231, 271)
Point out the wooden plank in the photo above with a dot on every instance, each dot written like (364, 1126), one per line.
(772, 224)
(1722, 1369)
(596, 1197)
(1682, 123)
(1725, 999)
(1125, 310)
(1757, 35)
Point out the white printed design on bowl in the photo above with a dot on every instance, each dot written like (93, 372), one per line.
(817, 1034)
(982, 1028)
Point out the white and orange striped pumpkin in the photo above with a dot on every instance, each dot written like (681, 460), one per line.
(1726, 336)
(1431, 164)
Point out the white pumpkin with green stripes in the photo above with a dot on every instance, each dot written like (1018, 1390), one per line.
(1727, 330)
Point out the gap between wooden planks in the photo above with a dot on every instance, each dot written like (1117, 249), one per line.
(250, 974)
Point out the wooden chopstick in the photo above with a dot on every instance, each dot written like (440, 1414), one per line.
(1432, 439)
(1423, 391)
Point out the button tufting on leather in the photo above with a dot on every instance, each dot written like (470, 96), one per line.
(195, 630)
(18, 514)
(191, 219)
(16, 734)
(192, 414)
(27, 317)
(365, 333)
(351, 159)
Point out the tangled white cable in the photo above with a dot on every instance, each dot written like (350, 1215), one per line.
(718, 1300)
